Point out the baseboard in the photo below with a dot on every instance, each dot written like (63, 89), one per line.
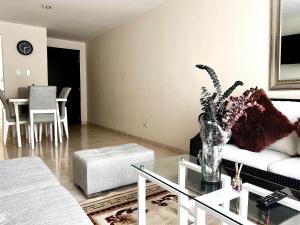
(171, 148)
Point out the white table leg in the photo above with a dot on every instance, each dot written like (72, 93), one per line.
(226, 182)
(18, 125)
(243, 211)
(142, 200)
(181, 174)
(200, 216)
(182, 213)
(58, 123)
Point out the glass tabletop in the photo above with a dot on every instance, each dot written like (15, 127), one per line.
(167, 172)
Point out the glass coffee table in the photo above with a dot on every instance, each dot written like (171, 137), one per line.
(182, 176)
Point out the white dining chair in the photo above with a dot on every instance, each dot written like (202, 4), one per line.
(63, 110)
(42, 108)
(7, 119)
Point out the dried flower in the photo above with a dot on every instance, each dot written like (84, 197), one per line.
(215, 105)
(222, 108)
(239, 106)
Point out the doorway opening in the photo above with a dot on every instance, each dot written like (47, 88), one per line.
(64, 71)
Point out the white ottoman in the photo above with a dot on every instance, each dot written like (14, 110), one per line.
(96, 170)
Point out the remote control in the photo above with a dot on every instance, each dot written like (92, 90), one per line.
(271, 198)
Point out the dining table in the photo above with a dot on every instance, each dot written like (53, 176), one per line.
(25, 101)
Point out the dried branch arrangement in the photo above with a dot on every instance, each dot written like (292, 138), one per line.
(219, 107)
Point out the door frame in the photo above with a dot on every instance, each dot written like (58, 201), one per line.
(1, 73)
(1, 65)
(81, 46)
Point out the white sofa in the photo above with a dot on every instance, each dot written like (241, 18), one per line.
(282, 157)
(31, 195)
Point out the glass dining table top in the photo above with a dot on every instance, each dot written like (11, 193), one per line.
(166, 171)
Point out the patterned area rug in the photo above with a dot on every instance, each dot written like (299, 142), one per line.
(121, 209)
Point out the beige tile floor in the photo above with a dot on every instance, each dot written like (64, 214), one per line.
(59, 159)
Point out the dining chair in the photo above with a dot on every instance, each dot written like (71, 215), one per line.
(23, 92)
(42, 108)
(7, 119)
(63, 110)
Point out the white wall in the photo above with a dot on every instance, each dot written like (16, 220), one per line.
(81, 46)
(144, 71)
(11, 34)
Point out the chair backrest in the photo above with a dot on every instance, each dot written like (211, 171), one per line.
(5, 104)
(23, 92)
(42, 98)
(64, 94)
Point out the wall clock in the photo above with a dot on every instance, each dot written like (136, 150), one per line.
(24, 47)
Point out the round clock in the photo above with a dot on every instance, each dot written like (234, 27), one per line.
(24, 47)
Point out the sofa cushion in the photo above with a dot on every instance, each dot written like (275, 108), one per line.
(289, 144)
(45, 206)
(256, 130)
(290, 109)
(24, 174)
(287, 167)
(4, 220)
(259, 160)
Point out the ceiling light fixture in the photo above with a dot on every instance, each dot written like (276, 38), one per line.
(46, 6)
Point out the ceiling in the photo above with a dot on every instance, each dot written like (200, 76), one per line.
(75, 19)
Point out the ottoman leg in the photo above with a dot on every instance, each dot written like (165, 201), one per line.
(94, 195)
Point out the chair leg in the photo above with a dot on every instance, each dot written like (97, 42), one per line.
(40, 131)
(62, 129)
(46, 129)
(55, 129)
(51, 132)
(13, 131)
(65, 122)
(5, 132)
(26, 131)
(36, 133)
(31, 131)
(59, 131)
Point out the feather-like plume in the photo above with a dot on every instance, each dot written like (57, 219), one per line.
(213, 77)
(214, 106)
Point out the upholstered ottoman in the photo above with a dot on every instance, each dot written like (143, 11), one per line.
(97, 170)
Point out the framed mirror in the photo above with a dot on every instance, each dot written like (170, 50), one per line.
(285, 45)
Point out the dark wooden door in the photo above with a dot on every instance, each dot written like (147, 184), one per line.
(64, 71)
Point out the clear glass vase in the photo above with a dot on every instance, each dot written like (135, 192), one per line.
(213, 138)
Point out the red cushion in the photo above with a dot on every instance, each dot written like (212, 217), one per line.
(257, 130)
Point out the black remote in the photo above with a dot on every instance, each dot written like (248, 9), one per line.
(271, 198)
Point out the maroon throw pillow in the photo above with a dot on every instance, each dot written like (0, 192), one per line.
(257, 129)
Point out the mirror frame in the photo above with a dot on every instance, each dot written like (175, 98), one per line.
(275, 40)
